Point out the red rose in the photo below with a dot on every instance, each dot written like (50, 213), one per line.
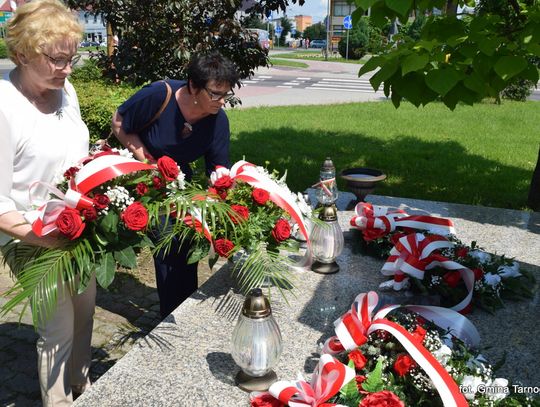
(101, 201)
(265, 400)
(383, 398)
(168, 168)
(359, 379)
(372, 234)
(223, 182)
(241, 211)
(462, 252)
(89, 214)
(419, 333)
(70, 172)
(223, 247)
(358, 358)
(141, 188)
(281, 231)
(403, 364)
(478, 274)
(135, 216)
(70, 223)
(452, 278)
(158, 182)
(260, 196)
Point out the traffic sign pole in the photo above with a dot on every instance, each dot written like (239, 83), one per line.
(347, 24)
(347, 51)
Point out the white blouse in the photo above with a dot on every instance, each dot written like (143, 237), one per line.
(35, 146)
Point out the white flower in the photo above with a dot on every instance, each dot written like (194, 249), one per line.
(181, 180)
(498, 389)
(492, 279)
(481, 256)
(509, 271)
(303, 205)
(469, 386)
(124, 152)
(218, 173)
(443, 355)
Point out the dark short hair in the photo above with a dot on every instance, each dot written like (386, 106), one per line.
(204, 68)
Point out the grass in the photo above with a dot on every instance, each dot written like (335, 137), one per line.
(480, 155)
(318, 56)
(284, 62)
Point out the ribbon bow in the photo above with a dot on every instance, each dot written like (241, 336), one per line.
(353, 328)
(415, 253)
(96, 170)
(377, 221)
(329, 377)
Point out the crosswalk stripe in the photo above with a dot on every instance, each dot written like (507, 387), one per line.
(304, 79)
(339, 89)
(280, 86)
(336, 85)
(345, 80)
(264, 77)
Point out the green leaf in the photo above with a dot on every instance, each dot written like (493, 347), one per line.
(401, 7)
(105, 270)
(534, 49)
(475, 83)
(509, 66)
(531, 73)
(443, 80)
(370, 65)
(414, 62)
(349, 390)
(365, 4)
(488, 45)
(386, 71)
(126, 257)
(212, 260)
(373, 382)
(196, 254)
(109, 223)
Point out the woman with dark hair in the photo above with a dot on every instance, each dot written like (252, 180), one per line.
(188, 126)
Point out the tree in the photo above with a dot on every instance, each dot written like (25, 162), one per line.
(457, 58)
(157, 38)
(315, 32)
(286, 27)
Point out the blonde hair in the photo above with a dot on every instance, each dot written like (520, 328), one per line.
(39, 24)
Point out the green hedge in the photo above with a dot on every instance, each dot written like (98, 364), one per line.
(3, 49)
(98, 99)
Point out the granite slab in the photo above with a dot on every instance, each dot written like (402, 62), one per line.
(186, 361)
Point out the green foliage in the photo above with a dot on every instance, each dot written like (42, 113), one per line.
(413, 28)
(363, 38)
(315, 32)
(455, 60)
(157, 39)
(519, 90)
(286, 27)
(3, 49)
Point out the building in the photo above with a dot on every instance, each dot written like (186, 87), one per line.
(338, 10)
(302, 22)
(94, 26)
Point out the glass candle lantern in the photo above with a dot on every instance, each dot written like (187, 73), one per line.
(327, 242)
(256, 343)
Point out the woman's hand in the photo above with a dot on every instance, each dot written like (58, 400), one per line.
(14, 224)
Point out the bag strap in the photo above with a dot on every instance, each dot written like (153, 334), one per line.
(161, 109)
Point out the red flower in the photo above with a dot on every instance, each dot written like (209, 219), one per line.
(223, 182)
(359, 379)
(383, 398)
(141, 188)
(70, 172)
(372, 234)
(281, 231)
(101, 201)
(135, 216)
(70, 223)
(223, 247)
(466, 310)
(403, 364)
(89, 214)
(168, 168)
(358, 358)
(260, 196)
(419, 333)
(452, 278)
(478, 274)
(335, 345)
(462, 252)
(265, 400)
(241, 211)
(158, 182)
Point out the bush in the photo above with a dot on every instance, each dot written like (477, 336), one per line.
(358, 41)
(89, 71)
(519, 90)
(3, 49)
(99, 99)
(413, 28)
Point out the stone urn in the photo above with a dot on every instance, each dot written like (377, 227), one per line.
(361, 181)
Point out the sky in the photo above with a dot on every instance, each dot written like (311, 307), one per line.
(314, 8)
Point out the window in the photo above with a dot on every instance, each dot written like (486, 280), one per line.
(342, 8)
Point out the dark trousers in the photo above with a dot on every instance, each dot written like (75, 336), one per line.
(176, 280)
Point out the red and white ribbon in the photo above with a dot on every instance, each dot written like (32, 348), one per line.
(373, 217)
(329, 377)
(415, 253)
(353, 328)
(94, 173)
(281, 196)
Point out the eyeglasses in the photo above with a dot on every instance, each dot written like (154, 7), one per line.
(215, 96)
(61, 63)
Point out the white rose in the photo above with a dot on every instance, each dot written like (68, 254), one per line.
(218, 173)
(492, 279)
(443, 354)
(498, 389)
(469, 386)
(509, 271)
(480, 255)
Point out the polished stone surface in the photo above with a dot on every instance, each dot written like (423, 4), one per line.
(186, 361)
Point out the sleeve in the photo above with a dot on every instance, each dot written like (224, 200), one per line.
(140, 108)
(6, 166)
(72, 93)
(218, 153)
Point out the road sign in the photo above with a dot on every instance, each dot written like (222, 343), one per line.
(347, 22)
(279, 30)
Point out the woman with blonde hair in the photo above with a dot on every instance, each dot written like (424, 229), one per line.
(42, 134)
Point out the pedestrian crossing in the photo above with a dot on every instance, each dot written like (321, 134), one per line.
(324, 84)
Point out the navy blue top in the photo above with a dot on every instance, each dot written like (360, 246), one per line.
(209, 139)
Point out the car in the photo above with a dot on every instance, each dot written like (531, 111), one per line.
(317, 44)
